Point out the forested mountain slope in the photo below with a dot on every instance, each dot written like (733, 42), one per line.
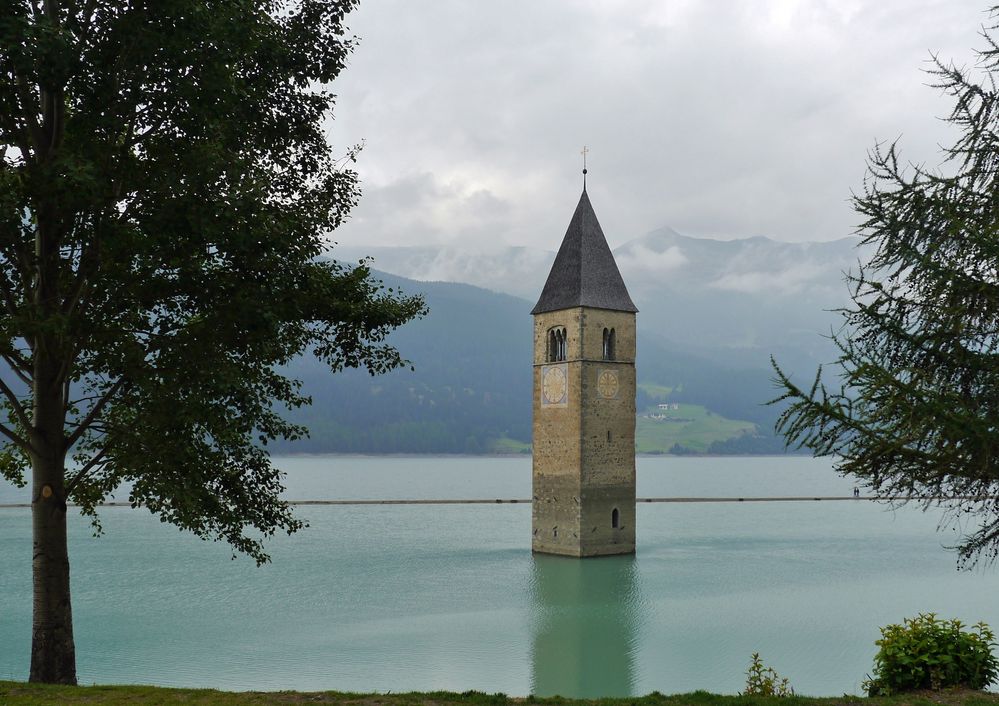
(472, 383)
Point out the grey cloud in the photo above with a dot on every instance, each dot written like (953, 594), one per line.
(420, 208)
(720, 119)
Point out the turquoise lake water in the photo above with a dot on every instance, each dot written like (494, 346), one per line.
(420, 597)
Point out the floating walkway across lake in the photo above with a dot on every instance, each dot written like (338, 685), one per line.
(515, 501)
(501, 501)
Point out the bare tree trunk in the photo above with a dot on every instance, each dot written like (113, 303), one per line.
(53, 654)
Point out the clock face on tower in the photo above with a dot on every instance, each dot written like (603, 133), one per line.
(607, 384)
(554, 385)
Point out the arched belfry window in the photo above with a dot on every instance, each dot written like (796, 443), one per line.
(556, 348)
(615, 519)
(608, 344)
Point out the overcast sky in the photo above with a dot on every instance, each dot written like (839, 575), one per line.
(719, 118)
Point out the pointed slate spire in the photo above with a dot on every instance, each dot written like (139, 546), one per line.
(584, 272)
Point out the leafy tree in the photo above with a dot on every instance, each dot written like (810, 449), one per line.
(915, 414)
(164, 190)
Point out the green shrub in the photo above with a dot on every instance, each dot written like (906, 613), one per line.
(927, 653)
(764, 681)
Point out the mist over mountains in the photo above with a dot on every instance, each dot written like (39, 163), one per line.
(711, 314)
(735, 301)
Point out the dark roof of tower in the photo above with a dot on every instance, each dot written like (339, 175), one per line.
(584, 272)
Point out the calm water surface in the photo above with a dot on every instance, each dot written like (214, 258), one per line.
(449, 597)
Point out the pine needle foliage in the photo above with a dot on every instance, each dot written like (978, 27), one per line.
(914, 414)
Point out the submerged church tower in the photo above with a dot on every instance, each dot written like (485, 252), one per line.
(584, 400)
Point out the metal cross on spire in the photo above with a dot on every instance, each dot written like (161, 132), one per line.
(583, 152)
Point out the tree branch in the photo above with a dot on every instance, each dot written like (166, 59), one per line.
(87, 17)
(16, 439)
(30, 115)
(88, 260)
(15, 403)
(90, 465)
(17, 131)
(18, 367)
(94, 412)
(53, 107)
(8, 297)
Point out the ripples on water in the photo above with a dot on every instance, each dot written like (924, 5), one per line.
(449, 597)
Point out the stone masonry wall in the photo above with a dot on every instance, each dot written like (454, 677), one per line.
(608, 437)
(584, 459)
(555, 509)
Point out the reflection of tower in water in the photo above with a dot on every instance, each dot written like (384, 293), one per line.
(584, 624)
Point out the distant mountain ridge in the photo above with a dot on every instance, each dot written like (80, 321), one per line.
(471, 388)
(734, 301)
(712, 312)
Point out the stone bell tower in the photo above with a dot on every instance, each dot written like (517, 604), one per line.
(584, 400)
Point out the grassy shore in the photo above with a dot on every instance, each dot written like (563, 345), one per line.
(20, 694)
